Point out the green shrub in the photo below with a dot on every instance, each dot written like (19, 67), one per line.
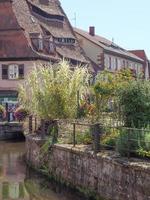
(135, 104)
(84, 138)
(110, 138)
(144, 150)
(128, 141)
(135, 141)
(147, 141)
(143, 153)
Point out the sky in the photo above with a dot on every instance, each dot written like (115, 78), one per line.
(126, 22)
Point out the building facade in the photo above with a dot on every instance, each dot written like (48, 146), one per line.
(142, 54)
(33, 32)
(106, 54)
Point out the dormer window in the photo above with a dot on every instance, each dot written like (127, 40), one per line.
(51, 46)
(37, 41)
(46, 15)
(65, 40)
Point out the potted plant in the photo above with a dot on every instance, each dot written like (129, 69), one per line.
(20, 113)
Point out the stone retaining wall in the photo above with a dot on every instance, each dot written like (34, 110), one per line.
(12, 130)
(104, 174)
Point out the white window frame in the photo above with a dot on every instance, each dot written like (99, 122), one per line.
(13, 71)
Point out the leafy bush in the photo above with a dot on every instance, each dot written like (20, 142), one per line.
(147, 141)
(143, 153)
(106, 89)
(135, 104)
(84, 138)
(128, 141)
(136, 141)
(144, 150)
(110, 138)
(21, 113)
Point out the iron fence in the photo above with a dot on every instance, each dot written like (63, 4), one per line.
(129, 142)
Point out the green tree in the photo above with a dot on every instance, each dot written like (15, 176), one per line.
(135, 103)
(107, 87)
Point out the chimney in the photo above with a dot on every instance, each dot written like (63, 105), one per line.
(92, 30)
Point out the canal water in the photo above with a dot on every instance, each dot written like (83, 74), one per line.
(18, 182)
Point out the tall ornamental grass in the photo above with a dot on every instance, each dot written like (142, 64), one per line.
(51, 92)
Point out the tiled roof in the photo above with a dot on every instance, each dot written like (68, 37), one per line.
(18, 14)
(14, 44)
(7, 18)
(71, 52)
(107, 45)
(140, 53)
(52, 8)
(67, 51)
(56, 31)
(24, 17)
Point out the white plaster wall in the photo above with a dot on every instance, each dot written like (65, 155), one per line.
(128, 63)
(92, 50)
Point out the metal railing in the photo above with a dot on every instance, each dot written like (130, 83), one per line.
(129, 142)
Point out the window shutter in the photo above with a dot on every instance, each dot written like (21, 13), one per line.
(21, 71)
(4, 71)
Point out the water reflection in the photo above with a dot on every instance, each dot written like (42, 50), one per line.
(17, 182)
(12, 171)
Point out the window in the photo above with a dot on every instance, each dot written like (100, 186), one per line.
(65, 40)
(48, 16)
(13, 72)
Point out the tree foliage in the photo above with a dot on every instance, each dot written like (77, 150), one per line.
(107, 87)
(51, 92)
(135, 103)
